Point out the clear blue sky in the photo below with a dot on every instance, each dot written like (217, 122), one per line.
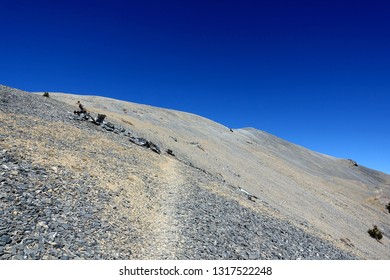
(316, 73)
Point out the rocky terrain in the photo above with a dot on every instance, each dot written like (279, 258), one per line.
(152, 183)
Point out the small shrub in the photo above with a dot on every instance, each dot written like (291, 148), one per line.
(388, 207)
(46, 94)
(375, 233)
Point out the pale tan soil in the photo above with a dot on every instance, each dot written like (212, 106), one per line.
(110, 163)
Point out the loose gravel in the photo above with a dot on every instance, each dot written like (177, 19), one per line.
(55, 213)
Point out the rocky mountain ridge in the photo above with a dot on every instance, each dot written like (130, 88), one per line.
(73, 189)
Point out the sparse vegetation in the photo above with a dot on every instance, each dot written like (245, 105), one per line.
(375, 233)
(388, 207)
(46, 94)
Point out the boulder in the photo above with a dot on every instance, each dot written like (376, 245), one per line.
(154, 148)
(109, 126)
(100, 118)
(139, 141)
(145, 143)
(352, 162)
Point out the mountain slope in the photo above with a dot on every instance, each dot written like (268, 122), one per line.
(193, 205)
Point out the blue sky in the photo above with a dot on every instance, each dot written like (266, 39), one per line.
(316, 73)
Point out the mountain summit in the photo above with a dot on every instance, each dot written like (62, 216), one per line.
(150, 183)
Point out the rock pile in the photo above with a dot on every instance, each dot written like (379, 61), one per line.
(117, 129)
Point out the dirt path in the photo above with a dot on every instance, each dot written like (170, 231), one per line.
(164, 242)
